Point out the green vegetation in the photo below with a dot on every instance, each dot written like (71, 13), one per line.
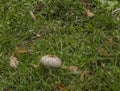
(61, 28)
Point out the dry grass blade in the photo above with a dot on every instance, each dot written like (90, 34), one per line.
(20, 50)
(83, 73)
(116, 10)
(116, 14)
(13, 62)
(32, 15)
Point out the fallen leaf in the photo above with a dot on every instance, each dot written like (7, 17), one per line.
(74, 69)
(89, 13)
(60, 87)
(13, 62)
(83, 73)
(32, 15)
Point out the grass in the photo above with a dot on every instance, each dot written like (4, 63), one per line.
(65, 31)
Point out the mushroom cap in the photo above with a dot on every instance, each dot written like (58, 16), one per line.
(51, 61)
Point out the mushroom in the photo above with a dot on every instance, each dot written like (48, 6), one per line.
(51, 61)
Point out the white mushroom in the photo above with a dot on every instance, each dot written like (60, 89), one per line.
(51, 61)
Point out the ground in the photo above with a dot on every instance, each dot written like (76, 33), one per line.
(61, 28)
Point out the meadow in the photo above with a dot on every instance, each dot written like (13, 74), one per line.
(82, 33)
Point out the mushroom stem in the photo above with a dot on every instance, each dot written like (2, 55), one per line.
(50, 71)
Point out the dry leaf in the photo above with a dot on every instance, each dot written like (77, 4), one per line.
(83, 75)
(60, 87)
(32, 15)
(74, 69)
(89, 13)
(13, 62)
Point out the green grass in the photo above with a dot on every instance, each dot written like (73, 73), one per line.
(65, 31)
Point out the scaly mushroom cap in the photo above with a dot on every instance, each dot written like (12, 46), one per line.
(51, 61)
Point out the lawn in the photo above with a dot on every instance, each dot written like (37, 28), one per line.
(89, 41)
